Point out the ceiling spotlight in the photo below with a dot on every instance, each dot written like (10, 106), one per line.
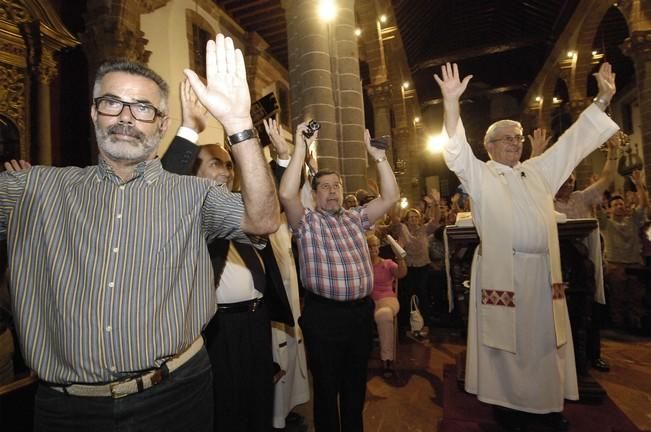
(538, 99)
(404, 203)
(327, 10)
(405, 85)
(383, 18)
(416, 119)
(594, 53)
(556, 100)
(570, 54)
(435, 143)
(358, 31)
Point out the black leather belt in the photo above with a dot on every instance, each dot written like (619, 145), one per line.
(244, 306)
(346, 303)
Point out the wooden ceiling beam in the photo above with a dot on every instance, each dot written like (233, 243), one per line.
(271, 28)
(465, 54)
(475, 93)
(260, 11)
(238, 6)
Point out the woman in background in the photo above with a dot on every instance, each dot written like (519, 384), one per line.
(385, 273)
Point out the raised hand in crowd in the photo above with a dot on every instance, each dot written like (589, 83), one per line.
(539, 141)
(280, 144)
(433, 209)
(610, 167)
(613, 144)
(454, 202)
(642, 196)
(290, 183)
(433, 197)
(17, 165)
(194, 114)
(388, 188)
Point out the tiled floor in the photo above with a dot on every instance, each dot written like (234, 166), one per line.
(412, 400)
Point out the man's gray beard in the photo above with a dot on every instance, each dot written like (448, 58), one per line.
(126, 150)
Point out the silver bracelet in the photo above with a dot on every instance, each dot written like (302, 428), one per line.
(601, 103)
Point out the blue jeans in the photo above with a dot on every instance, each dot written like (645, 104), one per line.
(181, 402)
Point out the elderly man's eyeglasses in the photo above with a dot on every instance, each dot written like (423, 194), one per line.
(511, 139)
(110, 106)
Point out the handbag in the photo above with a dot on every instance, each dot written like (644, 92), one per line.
(416, 321)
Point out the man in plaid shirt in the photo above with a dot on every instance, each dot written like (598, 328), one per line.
(337, 319)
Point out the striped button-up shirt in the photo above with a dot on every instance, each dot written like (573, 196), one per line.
(109, 278)
(333, 254)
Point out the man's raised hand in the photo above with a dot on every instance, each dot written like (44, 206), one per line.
(451, 86)
(605, 82)
(226, 94)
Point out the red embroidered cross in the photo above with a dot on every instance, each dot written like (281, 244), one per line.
(558, 290)
(498, 298)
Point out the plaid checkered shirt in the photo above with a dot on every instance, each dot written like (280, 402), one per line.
(333, 254)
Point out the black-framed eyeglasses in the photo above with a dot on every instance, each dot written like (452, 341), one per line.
(510, 139)
(141, 111)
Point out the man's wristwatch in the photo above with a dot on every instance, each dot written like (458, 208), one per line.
(244, 135)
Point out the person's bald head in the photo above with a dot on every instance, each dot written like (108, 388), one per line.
(214, 162)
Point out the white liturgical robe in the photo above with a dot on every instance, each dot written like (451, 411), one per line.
(520, 353)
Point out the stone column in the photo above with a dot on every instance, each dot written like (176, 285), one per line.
(311, 77)
(638, 47)
(325, 86)
(349, 99)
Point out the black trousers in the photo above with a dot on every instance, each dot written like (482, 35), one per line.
(239, 346)
(338, 341)
(417, 281)
(594, 332)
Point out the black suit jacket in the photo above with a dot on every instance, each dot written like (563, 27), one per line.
(180, 158)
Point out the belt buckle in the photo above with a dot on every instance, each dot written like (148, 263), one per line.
(115, 393)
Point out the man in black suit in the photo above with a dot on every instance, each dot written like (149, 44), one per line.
(250, 293)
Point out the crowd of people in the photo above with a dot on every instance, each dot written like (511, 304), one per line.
(156, 293)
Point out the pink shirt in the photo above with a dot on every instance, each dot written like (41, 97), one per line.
(383, 279)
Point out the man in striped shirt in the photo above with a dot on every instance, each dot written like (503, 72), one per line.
(336, 271)
(111, 280)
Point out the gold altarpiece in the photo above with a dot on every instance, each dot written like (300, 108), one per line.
(31, 35)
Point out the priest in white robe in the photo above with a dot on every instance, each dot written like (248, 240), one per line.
(520, 355)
